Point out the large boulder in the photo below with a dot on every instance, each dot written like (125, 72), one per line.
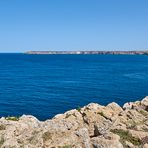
(144, 103)
(108, 141)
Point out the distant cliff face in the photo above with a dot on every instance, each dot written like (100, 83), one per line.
(93, 126)
(87, 52)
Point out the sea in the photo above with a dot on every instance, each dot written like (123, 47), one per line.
(46, 85)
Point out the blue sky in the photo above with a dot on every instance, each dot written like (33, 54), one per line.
(73, 25)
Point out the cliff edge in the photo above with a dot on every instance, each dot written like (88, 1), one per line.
(93, 126)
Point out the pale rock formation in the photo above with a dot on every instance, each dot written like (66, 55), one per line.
(93, 126)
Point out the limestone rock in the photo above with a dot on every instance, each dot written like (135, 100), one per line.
(84, 136)
(144, 103)
(109, 141)
(93, 126)
(129, 145)
(128, 105)
(145, 146)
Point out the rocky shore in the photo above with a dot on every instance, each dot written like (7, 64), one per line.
(93, 126)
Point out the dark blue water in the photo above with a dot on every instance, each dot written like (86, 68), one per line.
(45, 85)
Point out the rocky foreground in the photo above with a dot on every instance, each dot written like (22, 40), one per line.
(93, 126)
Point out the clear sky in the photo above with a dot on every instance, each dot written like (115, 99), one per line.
(73, 25)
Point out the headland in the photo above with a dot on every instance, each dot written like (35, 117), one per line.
(90, 52)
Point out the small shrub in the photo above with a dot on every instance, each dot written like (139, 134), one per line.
(79, 109)
(22, 146)
(46, 136)
(19, 141)
(1, 141)
(144, 113)
(126, 136)
(31, 139)
(67, 115)
(35, 132)
(12, 118)
(2, 127)
(102, 114)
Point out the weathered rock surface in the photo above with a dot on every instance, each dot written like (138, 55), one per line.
(93, 126)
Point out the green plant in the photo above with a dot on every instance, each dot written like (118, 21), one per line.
(22, 146)
(132, 124)
(13, 118)
(1, 141)
(126, 136)
(145, 129)
(67, 146)
(102, 114)
(143, 112)
(79, 109)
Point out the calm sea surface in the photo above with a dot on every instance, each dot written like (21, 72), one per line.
(45, 85)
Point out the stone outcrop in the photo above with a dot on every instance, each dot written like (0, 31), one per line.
(93, 126)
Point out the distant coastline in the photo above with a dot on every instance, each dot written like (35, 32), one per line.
(90, 52)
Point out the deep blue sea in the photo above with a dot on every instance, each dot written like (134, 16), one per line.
(45, 85)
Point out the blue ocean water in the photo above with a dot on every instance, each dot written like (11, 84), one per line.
(45, 85)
